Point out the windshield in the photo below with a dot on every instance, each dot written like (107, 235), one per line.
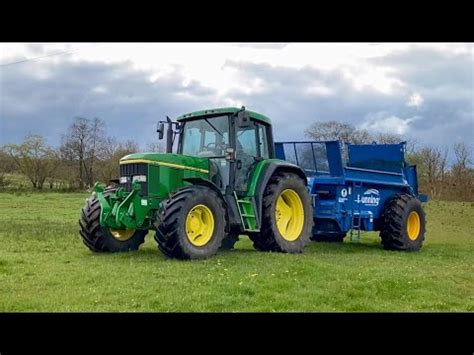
(206, 137)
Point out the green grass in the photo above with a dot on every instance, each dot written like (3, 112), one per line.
(45, 267)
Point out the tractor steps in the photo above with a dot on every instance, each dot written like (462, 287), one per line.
(247, 210)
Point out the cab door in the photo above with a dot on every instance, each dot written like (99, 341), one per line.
(250, 147)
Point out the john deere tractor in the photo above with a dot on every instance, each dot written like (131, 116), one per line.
(222, 181)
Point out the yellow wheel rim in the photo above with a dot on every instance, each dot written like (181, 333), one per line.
(199, 225)
(413, 225)
(289, 215)
(122, 235)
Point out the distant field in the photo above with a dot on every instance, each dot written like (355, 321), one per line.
(45, 267)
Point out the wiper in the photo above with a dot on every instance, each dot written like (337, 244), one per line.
(215, 129)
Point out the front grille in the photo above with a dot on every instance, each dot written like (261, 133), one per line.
(130, 170)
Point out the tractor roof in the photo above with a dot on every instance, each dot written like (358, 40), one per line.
(223, 110)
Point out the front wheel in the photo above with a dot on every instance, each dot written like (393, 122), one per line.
(103, 239)
(191, 223)
(287, 218)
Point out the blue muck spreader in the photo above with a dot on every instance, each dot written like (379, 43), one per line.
(360, 187)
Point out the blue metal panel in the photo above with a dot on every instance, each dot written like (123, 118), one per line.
(279, 152)
(333, 150)
(385, 157)
(411, 175)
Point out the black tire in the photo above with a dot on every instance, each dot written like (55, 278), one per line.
(229, 241)
(334, 238)
(269, 238)
(394, 220)
(170, 223)
(100, 239)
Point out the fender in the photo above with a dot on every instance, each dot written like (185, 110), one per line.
(273, 166)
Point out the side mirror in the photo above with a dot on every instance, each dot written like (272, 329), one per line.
(161, 130)
(243, 119)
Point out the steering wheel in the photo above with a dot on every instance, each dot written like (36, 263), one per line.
(217, 147)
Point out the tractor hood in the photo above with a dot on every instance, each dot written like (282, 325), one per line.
(178, 161)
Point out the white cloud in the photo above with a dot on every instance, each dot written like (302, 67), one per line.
(204, 62)
(383, 123)
(415, 100)
(320, 90)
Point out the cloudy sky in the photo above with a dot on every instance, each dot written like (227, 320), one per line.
(422, 91)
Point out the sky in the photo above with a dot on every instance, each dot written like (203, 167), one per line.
(423, 91)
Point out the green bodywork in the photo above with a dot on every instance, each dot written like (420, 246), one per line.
(167, 173)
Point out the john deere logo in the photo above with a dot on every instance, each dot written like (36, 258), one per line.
(371, 197)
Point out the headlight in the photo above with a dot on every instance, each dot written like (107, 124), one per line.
(139, 178)
(124, 179)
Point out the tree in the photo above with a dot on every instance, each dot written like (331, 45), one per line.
(109, 167)
(432, 168)
(463, 157)
(155, 147)
(333, 130)
(388, 138)
(84, 144)
(34, 159)
(462, 174)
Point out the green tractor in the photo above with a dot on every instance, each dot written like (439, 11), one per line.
(223, 181)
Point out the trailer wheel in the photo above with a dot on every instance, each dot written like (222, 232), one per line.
(229, 241)
(403, 224)
(191, 223)
(101, 239)
(287, 218)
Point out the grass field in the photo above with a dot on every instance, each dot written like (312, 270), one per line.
(45, 267)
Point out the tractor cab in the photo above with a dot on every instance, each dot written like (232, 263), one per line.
(232, 140)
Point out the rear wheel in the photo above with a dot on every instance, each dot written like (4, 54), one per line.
(191, 223)
(403, 224)
(286, 216)
(102, 239)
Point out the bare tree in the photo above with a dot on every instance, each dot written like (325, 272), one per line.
(388, 138)
(432, 168)
(463, 156)
(155, 147)
(333, 130)
(34, 159)
(7, 166)
(109, 167)
(84, 143)
(462, 174)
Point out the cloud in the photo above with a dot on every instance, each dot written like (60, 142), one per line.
(263, 45)
(44, 99)
(383, 122)
(430, 96)
(415, 100)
